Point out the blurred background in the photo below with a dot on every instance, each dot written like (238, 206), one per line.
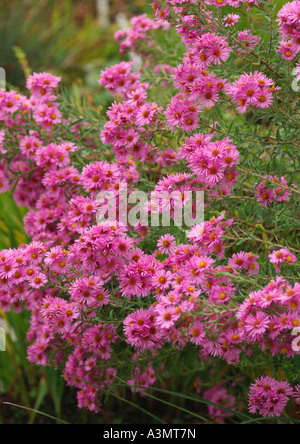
(73, 39)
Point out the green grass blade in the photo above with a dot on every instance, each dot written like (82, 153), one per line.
(58, 420)
(194, 399)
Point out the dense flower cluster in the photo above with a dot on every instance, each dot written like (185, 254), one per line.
(269, 397)
(97, 290)
(268, 317)
(289, 23)
(213, 162)
(253, 90)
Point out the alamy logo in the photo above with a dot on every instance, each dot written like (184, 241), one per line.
(296, 341)
(159, 209)
(2, 339)
(2, 79)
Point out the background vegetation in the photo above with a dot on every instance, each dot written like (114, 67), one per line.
(62, 37)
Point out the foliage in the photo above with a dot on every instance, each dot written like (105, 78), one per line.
(53, 37)
(202, 311)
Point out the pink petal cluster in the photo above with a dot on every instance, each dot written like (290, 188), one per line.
(253, 90)
(273, 189)
(282, 256)
(269, 397)
(289, 24)
(269, 316)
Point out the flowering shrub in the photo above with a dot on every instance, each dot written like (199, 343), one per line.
(212, 109)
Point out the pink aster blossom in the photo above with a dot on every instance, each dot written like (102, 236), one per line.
(256, 325)
(167, 243)
(231, 19)
(282, 256)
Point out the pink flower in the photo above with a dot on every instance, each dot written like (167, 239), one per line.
(167, 244)
(42, 84)
(287, 50)
(4, 183)
(162, 279)
(166, 316)
(269, 397)
(256, 325)
(119, 79)
(248, 41)
(8, 267)
(239, 261)
(38, 281)
(220, 396)
(196, 333)
(141, 330)
(36, 353)
(282, 256)
(250, 89)
(231, 19)
(273, 190)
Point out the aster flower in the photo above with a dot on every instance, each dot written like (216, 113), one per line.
(38, 281)
(250, 89)
(282, 256)
(8, 267)
(166, 316)
(162, 279)
(196, 333)
(141, 330)
(231, 19)
(131, 285)
(256, 325)
(167, 244)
